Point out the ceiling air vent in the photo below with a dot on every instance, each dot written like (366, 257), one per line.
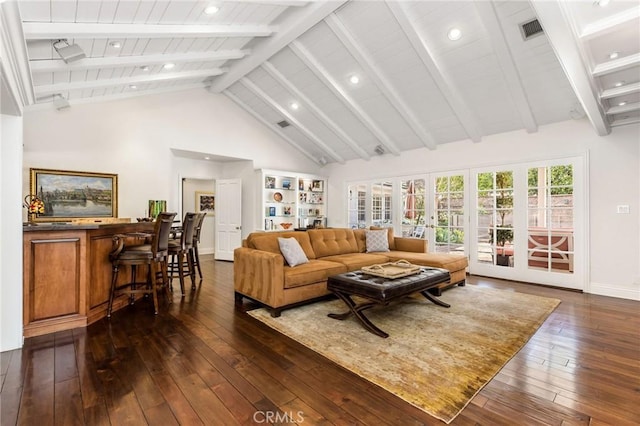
(530, 29)
(284, 123)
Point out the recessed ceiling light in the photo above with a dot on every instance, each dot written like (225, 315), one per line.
(210, 10)
(168, 66)
(623, 103)
(115, 44)
(354, 79)
(613, 55)
(133, 86)
(454, 34)
(294, 105)
(145, 68)
(602, 3)
(618, 84)
(207, 158)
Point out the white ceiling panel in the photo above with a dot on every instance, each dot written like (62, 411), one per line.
(416, 87)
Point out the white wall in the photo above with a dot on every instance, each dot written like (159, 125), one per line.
(189, 189)
(10, 232)
(614, 164)
(134, 137)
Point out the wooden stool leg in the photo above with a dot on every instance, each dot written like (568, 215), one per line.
(192, 270)
(154, 293)
(196, 258)
(114, 280)
(166, 279)
(181, 271)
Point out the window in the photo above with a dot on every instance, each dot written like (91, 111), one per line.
(357, 206)
(381, 204)
(413, 208)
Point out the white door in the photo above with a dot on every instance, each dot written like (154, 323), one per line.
(228, 217)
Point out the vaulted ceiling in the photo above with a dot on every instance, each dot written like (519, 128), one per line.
(350, 79)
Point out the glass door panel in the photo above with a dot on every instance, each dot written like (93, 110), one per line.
(550, 218)
(413, 208)
(357, 206)
(494, 218)
(448, 218)
(381, 204)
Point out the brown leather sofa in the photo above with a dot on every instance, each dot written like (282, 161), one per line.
(261, 274)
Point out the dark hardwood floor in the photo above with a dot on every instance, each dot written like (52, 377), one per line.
(201, 361)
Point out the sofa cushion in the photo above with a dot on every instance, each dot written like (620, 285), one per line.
(377, 241)
(330, 242)
(292, 252)
(268, 241)
(311, 272)
(452, 262)
(392, 239)
(355, 261)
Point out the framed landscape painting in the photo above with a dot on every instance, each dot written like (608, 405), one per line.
(205, 202)
(69, 195)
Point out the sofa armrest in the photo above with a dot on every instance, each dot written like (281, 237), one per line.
(416, 245)
(259, 275)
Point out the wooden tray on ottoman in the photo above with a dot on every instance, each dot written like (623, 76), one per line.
(391, 270)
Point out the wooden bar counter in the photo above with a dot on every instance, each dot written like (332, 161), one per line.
(67, 274)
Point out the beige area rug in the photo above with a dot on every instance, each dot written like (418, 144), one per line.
(435, 358)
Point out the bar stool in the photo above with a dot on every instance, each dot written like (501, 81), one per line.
(196, 240)
(180, 251)
(154, 255)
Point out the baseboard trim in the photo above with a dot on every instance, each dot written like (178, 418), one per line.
(608, 290)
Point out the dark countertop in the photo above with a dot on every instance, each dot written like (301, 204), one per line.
(68, 226)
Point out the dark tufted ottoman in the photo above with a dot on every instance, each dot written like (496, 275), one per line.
(382, 291)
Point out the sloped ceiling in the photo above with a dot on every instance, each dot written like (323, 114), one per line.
(295, 63)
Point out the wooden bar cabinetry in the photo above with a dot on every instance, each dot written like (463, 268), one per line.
(67, 274)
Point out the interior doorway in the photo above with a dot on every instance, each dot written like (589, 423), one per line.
(193, 190)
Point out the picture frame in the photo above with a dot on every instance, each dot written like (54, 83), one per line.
(269, 182)
(317, 185)
(205, 202)
(286, 184)
(69, 195)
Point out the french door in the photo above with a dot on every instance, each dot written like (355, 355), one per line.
(522, 221)
(528, 222)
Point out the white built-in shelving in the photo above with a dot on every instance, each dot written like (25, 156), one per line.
(291, 198)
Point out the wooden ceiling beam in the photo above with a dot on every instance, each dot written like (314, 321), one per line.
(367, 63)
(324, 118)
(297, 22)
(49, 30)
(621, 109)
(51, 89)
(134, 61)
(290, 118)
(626, 89)
(323, 75)
(615, 65)
(565, 43)
(444, 83)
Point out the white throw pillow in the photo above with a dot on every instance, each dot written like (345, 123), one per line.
(377, 241)
(292, 252)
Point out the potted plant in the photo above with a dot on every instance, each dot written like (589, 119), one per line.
(503, 235)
